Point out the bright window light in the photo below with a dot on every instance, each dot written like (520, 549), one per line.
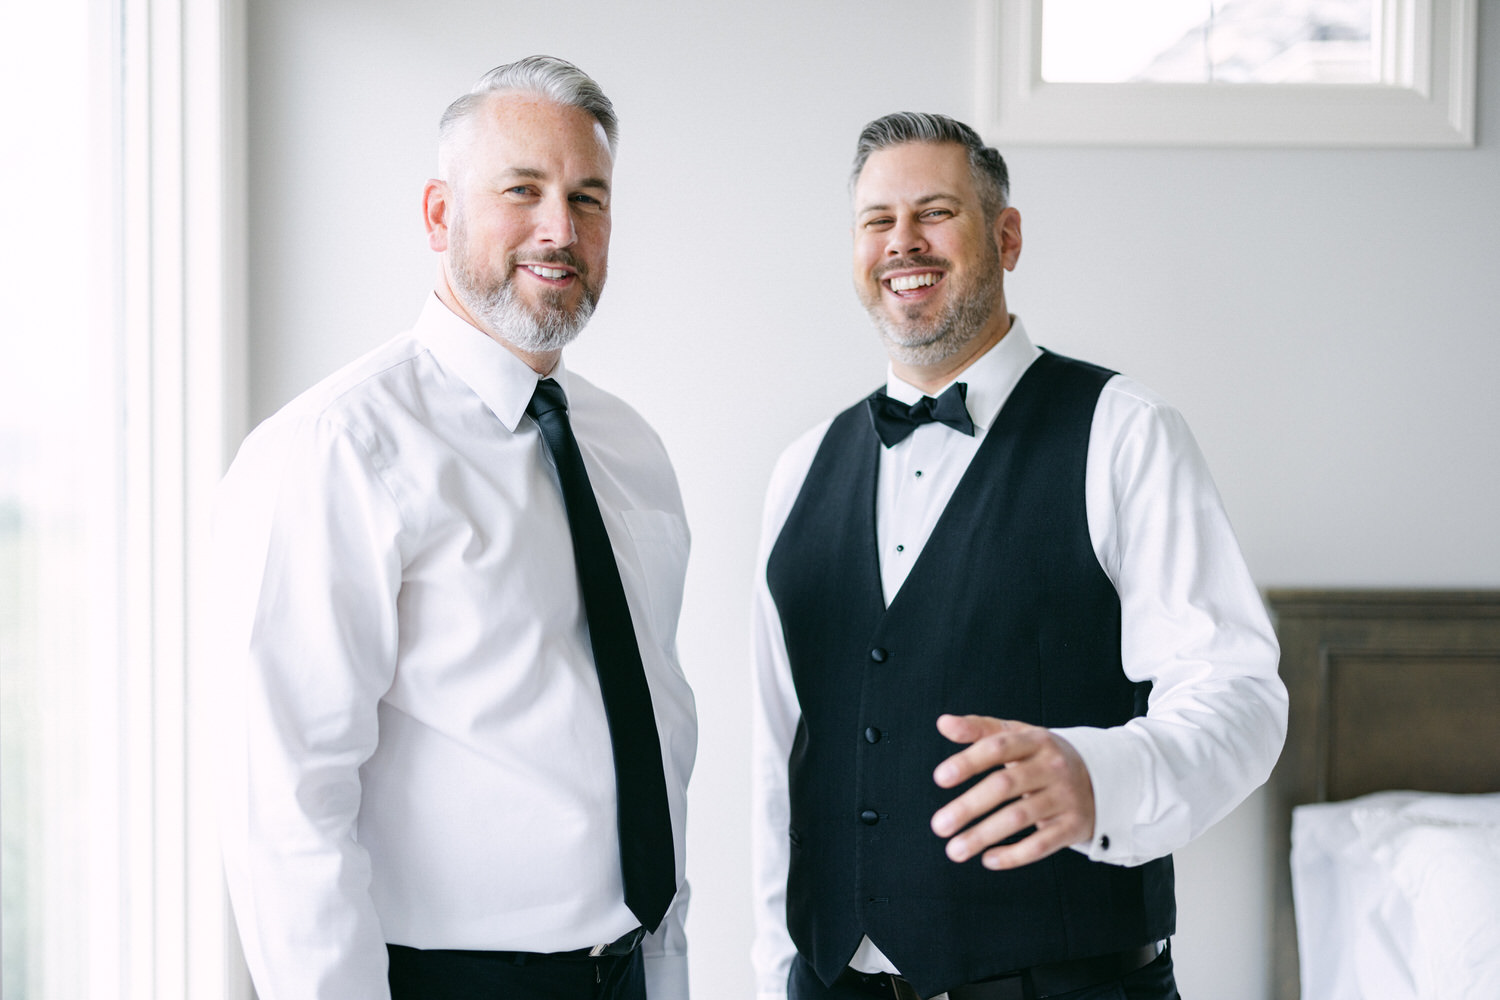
(1250, 73)
(1212, 41)
(58, 501)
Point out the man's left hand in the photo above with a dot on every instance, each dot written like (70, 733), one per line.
(1031, 765)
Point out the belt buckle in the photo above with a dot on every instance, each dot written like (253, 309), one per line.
(903, 990)
(622, 945)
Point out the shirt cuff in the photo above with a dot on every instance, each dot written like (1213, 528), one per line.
(1119, 790)
(666, 977)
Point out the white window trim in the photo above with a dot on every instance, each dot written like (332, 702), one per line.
(181, 249)
(1016, 107)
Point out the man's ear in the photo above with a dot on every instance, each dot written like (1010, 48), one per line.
(437, 206)
(1007, 233)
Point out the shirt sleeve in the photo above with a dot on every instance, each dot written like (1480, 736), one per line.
(1193, 624)
(308, 570)
(775, 715)
(665, 952)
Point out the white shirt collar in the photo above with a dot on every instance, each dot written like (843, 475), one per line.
(990, 377)
(496, 375)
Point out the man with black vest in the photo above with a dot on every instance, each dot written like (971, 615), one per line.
(1007, 653)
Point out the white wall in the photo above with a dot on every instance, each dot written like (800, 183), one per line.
(1328, 321)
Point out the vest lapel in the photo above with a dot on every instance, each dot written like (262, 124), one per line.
(970, 493)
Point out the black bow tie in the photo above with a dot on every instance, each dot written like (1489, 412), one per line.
(894, 420)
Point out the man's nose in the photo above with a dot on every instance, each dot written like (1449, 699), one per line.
(905, 237)
(554, 222)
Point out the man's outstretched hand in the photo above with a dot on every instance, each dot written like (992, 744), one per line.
(1040, 771)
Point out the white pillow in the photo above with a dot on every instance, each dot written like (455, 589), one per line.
(1443, 855)
(1354, 926)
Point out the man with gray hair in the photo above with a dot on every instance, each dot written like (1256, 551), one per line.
(456, 736)
(1007, 654)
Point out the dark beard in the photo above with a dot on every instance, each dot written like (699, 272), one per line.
(923, 344)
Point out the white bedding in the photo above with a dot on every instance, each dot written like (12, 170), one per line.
(1397, 897)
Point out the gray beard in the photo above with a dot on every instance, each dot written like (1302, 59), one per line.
(549, 327)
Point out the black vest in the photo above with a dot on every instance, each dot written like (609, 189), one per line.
(1005, 613)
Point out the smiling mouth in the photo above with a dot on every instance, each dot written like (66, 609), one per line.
(550, 273)
(907, 282)
(912, 284)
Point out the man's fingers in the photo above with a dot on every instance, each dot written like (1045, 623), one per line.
(1046, 841)
(985, 797)
(968, 728)
(1055, 828)
(1037, 778)
(992, 743)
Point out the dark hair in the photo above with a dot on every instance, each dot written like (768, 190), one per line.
(991, 179)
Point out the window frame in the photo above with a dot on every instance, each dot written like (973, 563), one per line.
(179, 205)
(124, 896)
(1433, 108)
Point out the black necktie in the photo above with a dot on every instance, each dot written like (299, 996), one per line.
(647, 859)
(894, 420)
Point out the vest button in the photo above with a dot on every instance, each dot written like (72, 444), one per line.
(872, 735)
(869, 817)
(878, 655)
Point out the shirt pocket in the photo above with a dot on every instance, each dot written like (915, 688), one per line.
(661, 546)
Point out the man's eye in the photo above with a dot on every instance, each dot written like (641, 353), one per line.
(936, 213)
(587, 200)
(520, 191)
(879, 223)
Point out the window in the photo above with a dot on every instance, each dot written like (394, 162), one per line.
(120, 300)
(1229, 72)
(1214, 41)
(58, 538)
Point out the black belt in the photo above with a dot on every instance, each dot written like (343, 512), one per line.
(1047, 980)
(622, 945)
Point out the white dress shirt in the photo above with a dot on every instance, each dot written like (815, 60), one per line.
(1193, 624)
(416, 750)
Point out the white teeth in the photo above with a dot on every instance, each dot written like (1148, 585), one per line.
(907, 282)
(547, 272)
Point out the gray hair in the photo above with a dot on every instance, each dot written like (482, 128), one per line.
(546, 76)
(987, 167)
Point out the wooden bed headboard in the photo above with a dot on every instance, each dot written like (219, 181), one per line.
(1389, 689)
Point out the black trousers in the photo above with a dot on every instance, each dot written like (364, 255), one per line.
(487, 975)
(1151, 982)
